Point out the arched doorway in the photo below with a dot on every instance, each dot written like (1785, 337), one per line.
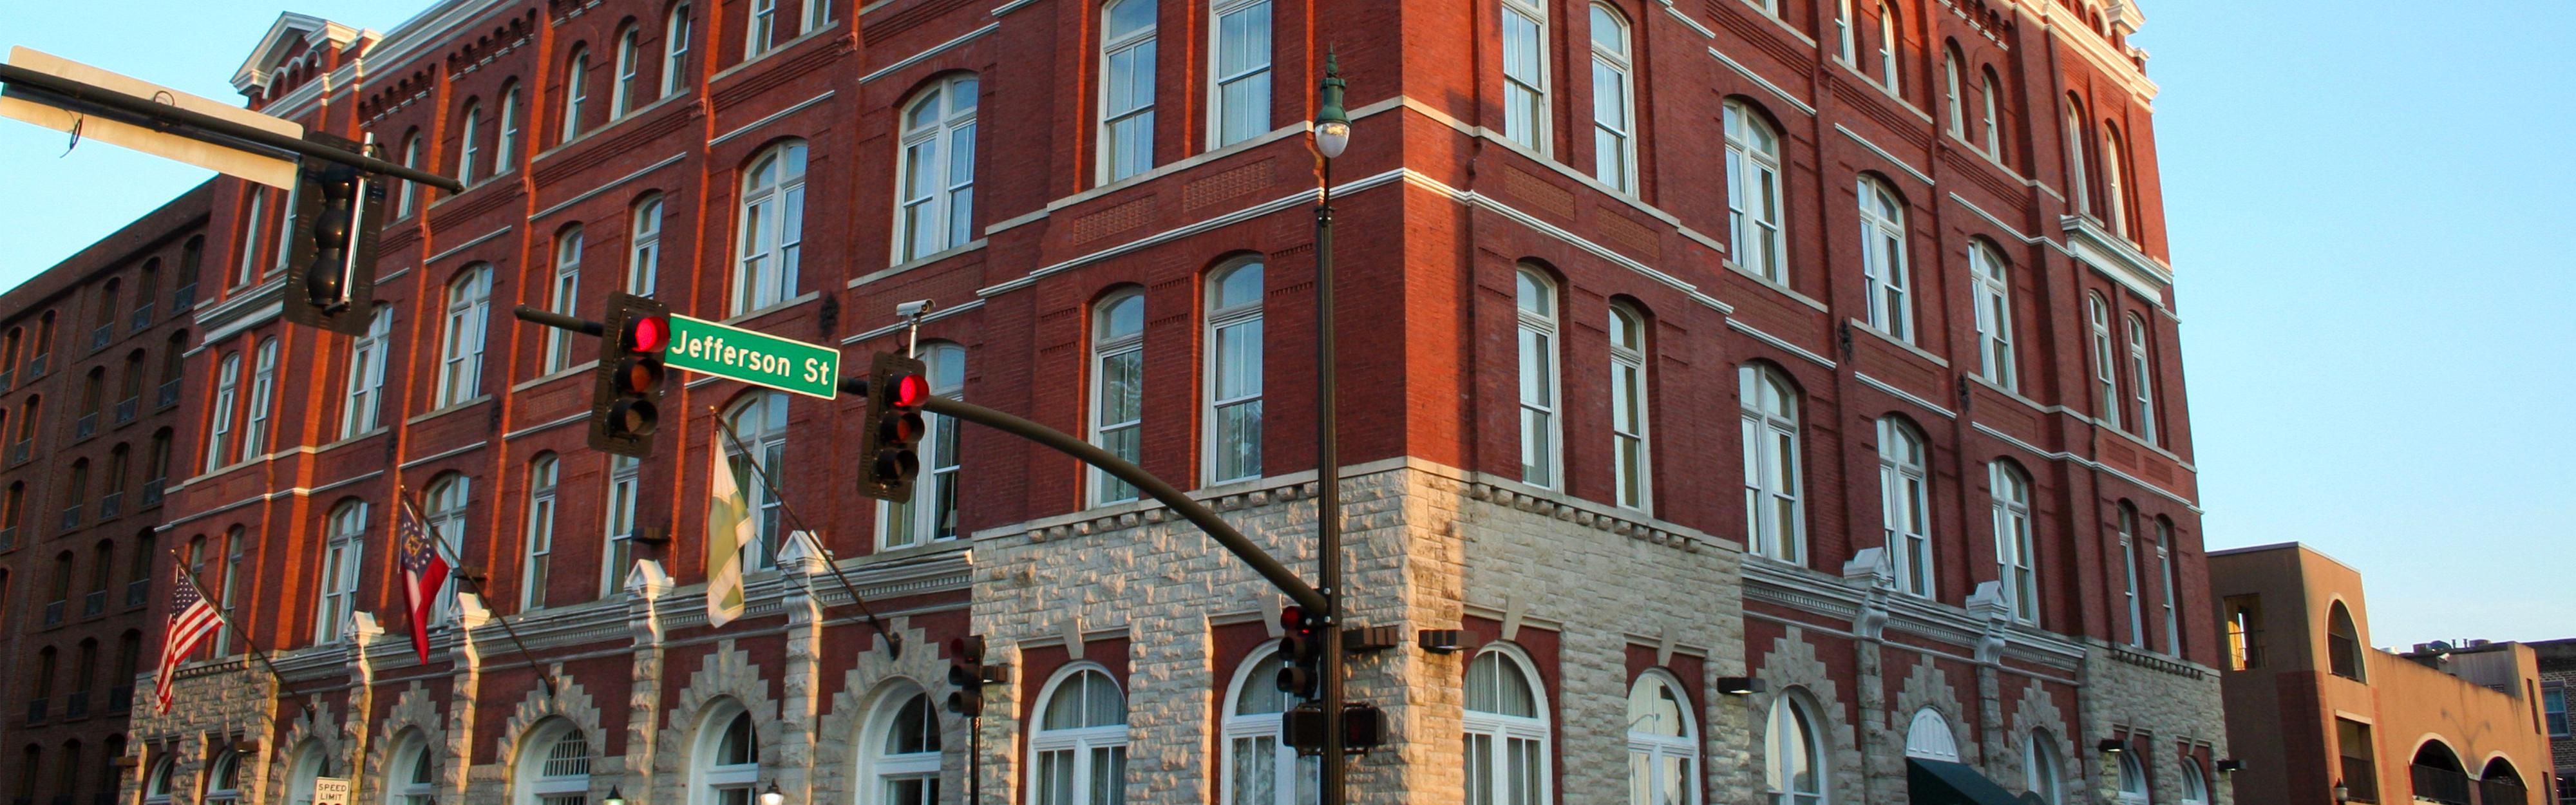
(2500, 784)
(2437, 775)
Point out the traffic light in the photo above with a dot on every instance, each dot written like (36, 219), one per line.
(897, 386)
(627, 391)
(333, 245)
(1301, 651)
(968, 671)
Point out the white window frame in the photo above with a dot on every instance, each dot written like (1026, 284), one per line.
(544, 776)
(2131, 779)
(760, 30)
(156, 781)
(469, 312)
(1632, 475)
(403, 785)
(644, 248)
(1076, 744)
(1993, 121)
(361, 407)
(878, 768)
(1542, 435)
(625, 485)
(2195, 784)
(2106, 384)
(818, 13)
(342, 556)
(249, 267)
(934, 193)
(263, 397)
(1753, 194)
(2077, 193)
(1889, 50)
(759, 420)
(227, 391)
(932, 513)
(1614, 104)
(2165, 563)
(407, 196)
(2554, 720)
(2115, 201)
(576, 92)
(1108, 346)
(450, 498)
(468, 151)
(1228, 326)
(2041, 772)
(769, 229)
(1905, 506)
(223, 780)
(1247, 734)
(2128, 525)
(1133, 52)
(675, 49)
(1929, 736)
(2015, 560)
(1652, 754)
(1236, 119)
(563, 297)
(2142, 382)
(1986, 270)
(1801, 735)
(1525, 86)
(1883, 263)
(621, 91)
(1847, 38)
(1503, 733)
(545, 474)
(709, 779)
(1952, 103)
(505, 151)
(1774, 477)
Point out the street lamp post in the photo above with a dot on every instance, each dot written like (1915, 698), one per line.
(1332, 134)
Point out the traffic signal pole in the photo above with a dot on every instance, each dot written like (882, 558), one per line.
(88, 98)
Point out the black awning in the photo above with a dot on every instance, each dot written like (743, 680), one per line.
(1941, 782)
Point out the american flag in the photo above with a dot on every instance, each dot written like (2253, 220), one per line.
(191, 620)
(424, 573)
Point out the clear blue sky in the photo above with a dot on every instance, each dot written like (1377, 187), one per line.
(2376, 319)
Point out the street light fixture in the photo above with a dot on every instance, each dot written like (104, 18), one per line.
(2342, 793)
(1332, 122)
(773, 796)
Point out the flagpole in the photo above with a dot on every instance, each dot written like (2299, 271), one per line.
(218, 608)
(894, 643)
(403, 496)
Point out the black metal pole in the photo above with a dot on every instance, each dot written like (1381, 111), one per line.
(559, 321)
(1328, 501)
(207, 127)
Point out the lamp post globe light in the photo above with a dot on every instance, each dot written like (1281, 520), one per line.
(1332, 135)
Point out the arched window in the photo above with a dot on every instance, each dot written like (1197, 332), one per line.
(156, 782)
(932, 512)
(623, 94)
(469, 311)
(412, 778)
(1079, 745)
(1846, 38)
(224, 780)
(341, 555)
(2165, 549)
(1541, 439)
(936, 175)
(78, 489)
(2142, 378)
(249, 245)
(1631, 467)
(1992, 123)
(1929, 737)
(1905, 505)
(576, 92)
(553, 765)
(1525, 104)
(1753, 208)
(1507, 730)
(1888, 49)
(1127, 30)
(2077, 193)
(1994, 315)
(1775, 520)
(1793, 770)
(1259, 768)
(301, 771)
(899, 751)
(644, 245)
(360, 408)
(2015, 560)
(129, 391)
(2040, 769)
(2132, 779)
(1614, 113)
(675, 49)
(2195, 786)
(1239, 95)
(1234, 356)
(2135, 597)
(1882, 236)
(138, 578)
(2106, 388)
(2343, 643)
(759, 421)
(407, 196)
(13, 510)
(563, 296)
(1663, 743)
(2498, 784)
(1951, 100)
(772, 228)
(2115, 200)
(1117, 386)
(762, 32)
(726, 763)
(449, 496)
(219, 427)
(625, 486)
(543, 472)
(263, 393)
(505, 151)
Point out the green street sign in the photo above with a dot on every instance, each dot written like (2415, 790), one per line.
(760, 359)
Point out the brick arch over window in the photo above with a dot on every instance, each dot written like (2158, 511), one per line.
(725, 674)
(313, 728)
(1793, 668)
(2034, 712)
(571, 703)
(414, 709)
(1926, 687)
(840, 730)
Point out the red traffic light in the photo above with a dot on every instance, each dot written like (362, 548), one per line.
(1293, 619)
(910, 391)
(648, 334)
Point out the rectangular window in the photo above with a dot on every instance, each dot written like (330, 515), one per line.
(358, 414)
(2013, 554)
(624, 484)
(541, 533)
(1628, 459)
(263, 391)
(1525, 74)
(2244, 632)
(2358, 769)
(2142, 383)
(644, 255)
(1118, 389)
(2553, 708)
(1613, 118)
(250, 236)
(2106, 385)
(1538, 381)
(1127, 90)
(1242, 86)
(1994, 317)
(220, 425)
(564, 299)
(763, 28)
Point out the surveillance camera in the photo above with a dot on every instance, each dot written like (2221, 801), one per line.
(913, 308)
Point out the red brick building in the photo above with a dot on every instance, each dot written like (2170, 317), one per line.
(91, 352)
(1651, 309)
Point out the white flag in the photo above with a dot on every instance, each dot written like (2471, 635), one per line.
(728, 530)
